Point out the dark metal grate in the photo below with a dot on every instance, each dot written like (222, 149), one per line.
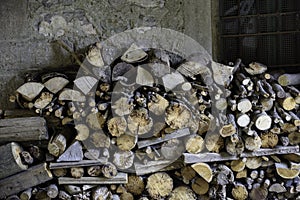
(267, 31)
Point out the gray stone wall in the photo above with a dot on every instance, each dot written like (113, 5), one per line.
(30, 27)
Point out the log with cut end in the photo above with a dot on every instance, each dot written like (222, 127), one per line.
(195, 144)
(126, 142)
(288, 103)
(204, 171)
(253, 162)
(101, 193)
(253, 143)
(85, 83)
(26, 194)
(19, 182)
(214, 142)
(243, 120)
(73, 153)
(109, 170)
(244, 105)
(23, 129)
(239, 192)
(71, 95)
(263, 121)
(230, 128)
(57, 145)
(182, 193)
(77, 172)
(52, 191)
(56, 84)
(289, 79)
(159, 185)
(237, 165)
(10, 160)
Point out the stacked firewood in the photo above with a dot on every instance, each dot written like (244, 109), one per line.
(152, 125)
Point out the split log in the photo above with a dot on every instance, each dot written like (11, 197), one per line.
(120, 178)
(175, 134)
(23, 129)
(203, 170)
(10, 160)
(33, 176)
(230, 128)
(159, 185)
(56, 84)
(85, 83)
(285, 172)
(73, 153)
(289, 79)
(30, 90)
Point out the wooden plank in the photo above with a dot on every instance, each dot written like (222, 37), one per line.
(215, 157)
(82, 163)
(155, 166)
(120, 178)
(23, 129)
(33, 176)
(175, 134)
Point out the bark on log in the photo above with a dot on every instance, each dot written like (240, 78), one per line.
(10, 160)
(23, 129)
(33, 176)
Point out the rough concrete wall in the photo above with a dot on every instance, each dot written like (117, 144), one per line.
(28, 29)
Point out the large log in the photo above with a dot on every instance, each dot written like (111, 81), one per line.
(33, 176)
(289, 79)
(10, 160)
(23, 129)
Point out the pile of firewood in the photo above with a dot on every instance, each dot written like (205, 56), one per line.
(152, 125)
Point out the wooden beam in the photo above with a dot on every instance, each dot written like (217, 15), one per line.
(82, 163)
(215, 157)
(120, 178)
